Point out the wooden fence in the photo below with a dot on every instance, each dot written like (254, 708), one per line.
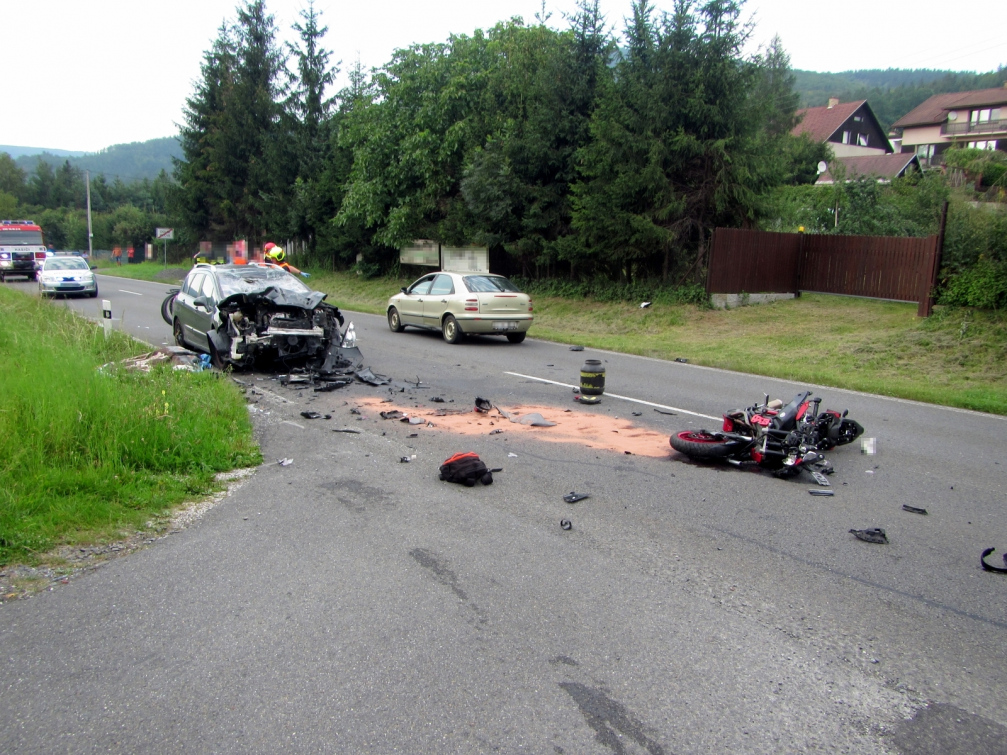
(879, 267)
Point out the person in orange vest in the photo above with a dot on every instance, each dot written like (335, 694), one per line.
(274, 255)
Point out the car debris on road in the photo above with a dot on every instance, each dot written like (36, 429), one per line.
(871, 535)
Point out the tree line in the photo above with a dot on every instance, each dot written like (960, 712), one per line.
(123, 214)
(567, 152)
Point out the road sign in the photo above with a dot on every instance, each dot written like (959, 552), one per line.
(163, 234)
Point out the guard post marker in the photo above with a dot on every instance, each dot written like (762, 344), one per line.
(106, 317)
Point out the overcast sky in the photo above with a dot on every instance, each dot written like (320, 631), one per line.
(89, 74)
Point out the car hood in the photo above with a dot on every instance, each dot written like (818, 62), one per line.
(278, 297)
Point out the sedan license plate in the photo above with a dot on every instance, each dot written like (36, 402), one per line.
(505, 325)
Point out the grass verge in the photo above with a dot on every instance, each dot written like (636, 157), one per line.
(957, 357)
(91, 454)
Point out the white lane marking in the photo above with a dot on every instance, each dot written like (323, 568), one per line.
(623, 398)
(130, 292)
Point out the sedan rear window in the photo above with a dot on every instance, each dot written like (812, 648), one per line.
(489, 284)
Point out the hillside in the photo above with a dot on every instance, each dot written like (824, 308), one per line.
(17, 152)
(128, 162)
(891, 93)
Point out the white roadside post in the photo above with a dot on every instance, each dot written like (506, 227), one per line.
(106, 317)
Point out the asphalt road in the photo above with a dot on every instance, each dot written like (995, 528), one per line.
(353, 603)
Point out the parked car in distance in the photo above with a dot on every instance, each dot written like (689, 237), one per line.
(244, 314)
(66, 275)
(460, 304)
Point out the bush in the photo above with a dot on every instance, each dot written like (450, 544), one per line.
(602, 289)
(984, 285)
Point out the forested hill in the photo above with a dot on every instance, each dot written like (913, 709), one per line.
(891, 93)
(128, 162)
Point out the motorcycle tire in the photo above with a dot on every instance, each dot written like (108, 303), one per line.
(167, 307)
(700, 444)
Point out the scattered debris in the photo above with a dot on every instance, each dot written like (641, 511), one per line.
(483, 405)
(498, 431)
(871, 535)
(284, 462)
(437, 399)
(819, 491)
(315, 415)
(820, 478)
(990, 567)
(869, 446)
(366, 376)
(415, 421)
(344, 430)
(913, 509)
(573, 497)
(665, 411)
(393, 414)
(565, 524)
(413, 435)
(645, 304)
(331, 385)
(535, 420)
(176, 356)
(682, 360)
(288, 379)
(637, 414)
(467, 469)
(512, 455)
(576, 348)
(404, 459)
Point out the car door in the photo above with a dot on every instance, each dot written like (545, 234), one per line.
(202, 314)
(436, 303)
(411, 302)
(183, 309)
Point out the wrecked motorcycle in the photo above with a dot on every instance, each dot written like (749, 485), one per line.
(786, 439)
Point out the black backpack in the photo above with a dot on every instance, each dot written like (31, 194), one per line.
(466, 468)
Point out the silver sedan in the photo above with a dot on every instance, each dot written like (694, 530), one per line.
(66, 275)
(460, 304)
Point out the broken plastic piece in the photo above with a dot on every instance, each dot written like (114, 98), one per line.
(315, 415)
(392, 414)
(483, 404)
(819, 491)
(437, 399)
(496, 432)
(637, 414)
(871, 535)
(404, 460)
(284, 462)
(512, 455)
(683, 360)
(645, 304)
(331, 385)
(572, 497)
(990, 567)
(535, 420)
(344, 430)
(365, 375)
(576, 348)
(820, 478)
(913, 509)
(565, 524)
(415, 420)
(663, 411)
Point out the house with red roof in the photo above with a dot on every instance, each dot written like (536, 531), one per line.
(850, 128)
(882, 168)
(975, 119)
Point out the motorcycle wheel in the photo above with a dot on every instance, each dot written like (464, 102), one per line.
(167, 308)
(701, 444)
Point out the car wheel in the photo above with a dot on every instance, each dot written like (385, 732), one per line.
(516, 337)
(176, 328)
(94, 294)
(394, 321)
(450, 330)
(215, 358)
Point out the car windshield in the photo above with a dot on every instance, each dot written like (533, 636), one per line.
(251, 280)
(23, 238)
(65, 263)
(489, 284)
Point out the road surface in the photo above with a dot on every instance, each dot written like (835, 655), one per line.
(353, 603)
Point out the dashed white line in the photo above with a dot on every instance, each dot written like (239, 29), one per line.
(130, 292)
(623, 398)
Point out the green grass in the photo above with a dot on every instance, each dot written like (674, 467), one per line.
(91, 454)
(957, 357)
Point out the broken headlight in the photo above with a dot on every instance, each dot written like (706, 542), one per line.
(349, 337)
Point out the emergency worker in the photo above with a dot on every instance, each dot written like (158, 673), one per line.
(274, 255)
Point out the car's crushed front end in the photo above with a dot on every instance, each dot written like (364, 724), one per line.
(277, 324)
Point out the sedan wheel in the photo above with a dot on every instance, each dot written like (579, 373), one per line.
(451, 332)
(516, 337)
(394, 321)
(176, 328)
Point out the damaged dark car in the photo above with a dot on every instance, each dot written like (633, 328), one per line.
(246, 315)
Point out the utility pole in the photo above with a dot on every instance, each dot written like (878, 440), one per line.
(90, 235)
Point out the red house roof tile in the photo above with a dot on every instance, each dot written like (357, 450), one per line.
(885, 167)
(934, 111)
(822, 122)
